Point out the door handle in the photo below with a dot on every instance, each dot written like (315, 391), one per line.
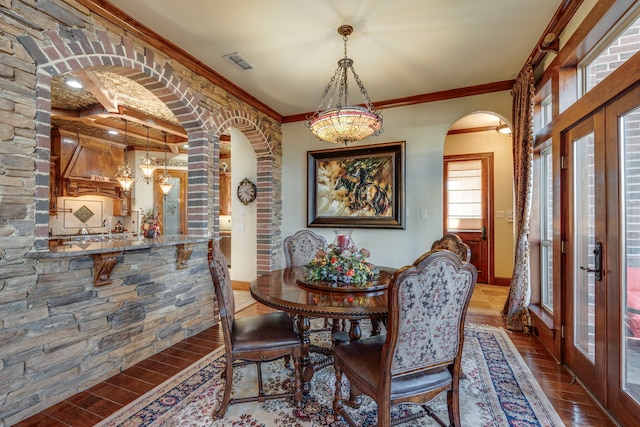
(484, 232)
(598, 262)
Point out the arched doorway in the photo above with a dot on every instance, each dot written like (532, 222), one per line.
(478, 193)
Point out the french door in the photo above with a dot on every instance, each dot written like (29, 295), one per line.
(623, 228)
(468, 181)
(602, 264)
(585, 199)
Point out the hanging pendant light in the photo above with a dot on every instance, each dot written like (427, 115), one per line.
(147, 165)
(344, 123)
(124, 174)
(165, 180)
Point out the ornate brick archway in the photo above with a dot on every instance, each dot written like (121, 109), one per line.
(64, 51)
(269, 180)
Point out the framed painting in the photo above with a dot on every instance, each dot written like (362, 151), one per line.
(360, 187)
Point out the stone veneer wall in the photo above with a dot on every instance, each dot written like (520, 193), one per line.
(58, 333)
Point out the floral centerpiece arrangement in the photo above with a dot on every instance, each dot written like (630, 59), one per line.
(150, 223)
(339, 264)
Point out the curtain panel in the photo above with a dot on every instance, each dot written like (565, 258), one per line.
(515, 310)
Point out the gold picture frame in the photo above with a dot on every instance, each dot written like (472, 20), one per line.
(360, 187)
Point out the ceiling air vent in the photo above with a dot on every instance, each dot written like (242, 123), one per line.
(239, 61)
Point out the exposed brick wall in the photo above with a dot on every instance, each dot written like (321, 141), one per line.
(58, 333)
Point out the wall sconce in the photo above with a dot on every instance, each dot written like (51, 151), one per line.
(503, 128)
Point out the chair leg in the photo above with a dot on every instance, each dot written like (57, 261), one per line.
(453, 406)
(337, 398)
(261, 394)
(355, 396)
(384, 414)
(297, 382)
(228, 374)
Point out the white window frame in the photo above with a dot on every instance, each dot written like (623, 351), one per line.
(546, 230)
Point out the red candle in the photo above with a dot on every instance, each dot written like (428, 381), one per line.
(343, 241)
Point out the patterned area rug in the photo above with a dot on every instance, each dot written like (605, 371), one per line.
(499, 390)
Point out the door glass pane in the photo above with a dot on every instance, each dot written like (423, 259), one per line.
(171, 209)
(630, 240)
(584, 244)
(546, 229)
(464, 195)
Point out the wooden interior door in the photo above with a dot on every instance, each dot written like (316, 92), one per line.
(468, 202)
(173, 206)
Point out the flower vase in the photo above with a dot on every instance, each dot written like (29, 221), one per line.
(343, 239)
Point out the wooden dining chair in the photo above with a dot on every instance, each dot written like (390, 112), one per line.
(421, 354)
(453, 242)
(256, 339)
(302, 247)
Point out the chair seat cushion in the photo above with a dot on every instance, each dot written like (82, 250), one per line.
(264, 331)
(366, 354)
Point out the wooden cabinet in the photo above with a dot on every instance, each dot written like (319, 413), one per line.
(122, 207)
(86, 164)
(225, 193)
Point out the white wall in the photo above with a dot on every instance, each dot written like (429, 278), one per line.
(423, 127)
(243, 218)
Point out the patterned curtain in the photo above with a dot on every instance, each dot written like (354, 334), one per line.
(515, 309)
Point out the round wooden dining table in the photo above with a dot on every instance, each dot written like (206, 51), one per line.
(287, 290)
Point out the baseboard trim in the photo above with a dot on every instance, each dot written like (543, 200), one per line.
(237, 285)
(502, 281)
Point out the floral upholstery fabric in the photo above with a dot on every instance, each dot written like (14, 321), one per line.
(431, 303)
(219, 268)
(301, 248)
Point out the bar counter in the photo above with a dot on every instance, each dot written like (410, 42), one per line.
(105, 253)
(113, 245)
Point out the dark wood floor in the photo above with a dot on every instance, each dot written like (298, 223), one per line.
(573, 404)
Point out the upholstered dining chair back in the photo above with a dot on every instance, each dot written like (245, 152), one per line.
(302, 247)
(254, 339)
(453, 242)
(420, 357)
(427, 306)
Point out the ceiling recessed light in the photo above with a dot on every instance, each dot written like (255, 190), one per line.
(112, 132)
(74, 83)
